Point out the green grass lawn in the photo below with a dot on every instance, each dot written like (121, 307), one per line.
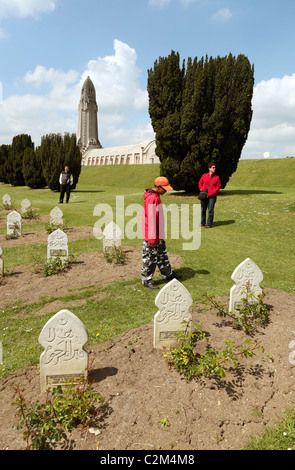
(254, 217)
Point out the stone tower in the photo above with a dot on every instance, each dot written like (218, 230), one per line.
(88, 128)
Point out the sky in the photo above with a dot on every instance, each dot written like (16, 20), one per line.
(49, 47)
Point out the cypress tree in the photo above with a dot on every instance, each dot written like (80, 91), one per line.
(72, 157)
(15, 159)
(32, 169)
(51, 156)
(4, 157)
(206, 117)
(55, 152)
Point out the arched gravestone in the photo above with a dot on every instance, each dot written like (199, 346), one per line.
(64, 357)
(174, 302)
(58, 245)
(247, 275)
(112, 236)
(6, 200)
(56, 216)
(25, 206)
(14, 224)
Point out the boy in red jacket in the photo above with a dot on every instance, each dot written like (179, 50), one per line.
(214, 183)
(154, 247)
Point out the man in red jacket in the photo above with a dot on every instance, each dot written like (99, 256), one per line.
(154, 248)
(212, 182)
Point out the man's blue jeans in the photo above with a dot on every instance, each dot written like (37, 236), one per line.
(209, 204)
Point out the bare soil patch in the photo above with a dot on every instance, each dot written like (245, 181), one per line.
(140, 390)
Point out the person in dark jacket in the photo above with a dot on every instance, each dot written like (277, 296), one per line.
(154, 248)
(214, 183)
(65, 181)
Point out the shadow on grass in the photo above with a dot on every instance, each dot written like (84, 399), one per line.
(237, 192)
(223, 222)
(186, 273)
(87, 191)
(228, 192)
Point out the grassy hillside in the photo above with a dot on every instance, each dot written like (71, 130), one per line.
(273, 173)
(254, 217)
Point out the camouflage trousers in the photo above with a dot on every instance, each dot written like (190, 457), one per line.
(153, 256)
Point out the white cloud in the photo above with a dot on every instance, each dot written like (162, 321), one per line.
(222, 15)
(24, 8)
(52, 104)
(116, 79)
(273, 123)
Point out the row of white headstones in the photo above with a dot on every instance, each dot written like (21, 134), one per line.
(63, 337)
(57, 240)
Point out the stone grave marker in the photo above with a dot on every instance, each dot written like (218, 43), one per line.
(174, 302)
(14, 224)
(1, 263)
(58, 245)
(56, 216)
(112, 236)
(64, 357)
(6, 200)
(25, 206)
(246, 274)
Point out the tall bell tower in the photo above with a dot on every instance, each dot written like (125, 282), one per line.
(87, 138)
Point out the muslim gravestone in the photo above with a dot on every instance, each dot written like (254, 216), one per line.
(174, 302)
(64, 357)
(6, 201)
(247, 277)
(25, 206)
(14, 224)
(58, 245)
(56, 216)
(112, 236)
(1, 263)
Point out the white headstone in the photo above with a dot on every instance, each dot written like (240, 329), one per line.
(112, 236)
(6, 200)
(14, 224)
(25, 205)
(246, 276)
(56, 216)
(1, 263)
(174, 302)
(58, 245)
(64, 357)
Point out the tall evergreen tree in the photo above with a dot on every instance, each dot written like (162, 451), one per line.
(72, 157)
(55, 152)
(200, 113)
(14, 166)
(32, 169)
(4, 157)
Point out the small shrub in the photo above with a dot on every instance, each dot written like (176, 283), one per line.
(187, 361)
(47, 423)
(252, 313)
(54, 265)
(29, 214)
(115, 255)
(51, 227)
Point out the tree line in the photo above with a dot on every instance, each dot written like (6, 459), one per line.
(201, 112)
(21, 164)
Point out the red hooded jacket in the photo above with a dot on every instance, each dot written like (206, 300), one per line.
(152, 217)
(214, 186)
